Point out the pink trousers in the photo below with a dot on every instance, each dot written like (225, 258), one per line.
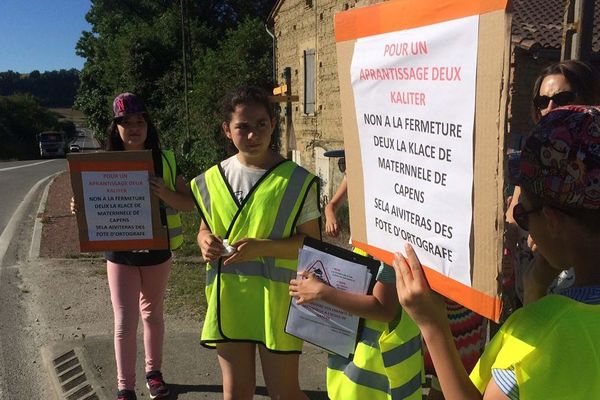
(134, 291)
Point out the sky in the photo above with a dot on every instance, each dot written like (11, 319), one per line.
(41, 34)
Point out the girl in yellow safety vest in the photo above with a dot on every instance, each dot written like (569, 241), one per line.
(549, 348)
(387, 363)
(138, 279)
(264, 206)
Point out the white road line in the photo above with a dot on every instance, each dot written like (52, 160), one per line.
(36, 237)
(15, 220)
(24, 166)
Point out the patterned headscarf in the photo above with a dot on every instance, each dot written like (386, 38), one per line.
(560, 161)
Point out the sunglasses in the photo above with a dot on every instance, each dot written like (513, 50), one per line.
(342, 164)
(521, 215)
(560, 99)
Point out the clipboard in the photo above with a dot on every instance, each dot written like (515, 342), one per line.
(348, 255)
(323, 324)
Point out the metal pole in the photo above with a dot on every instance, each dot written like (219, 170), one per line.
(578, 25)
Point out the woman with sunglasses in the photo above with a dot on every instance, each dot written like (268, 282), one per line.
(560, 84)
(564, 83)
(547, 349)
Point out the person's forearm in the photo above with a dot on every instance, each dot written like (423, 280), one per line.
(179, 201)
(449, 369)
(363, 306)
(281, 248)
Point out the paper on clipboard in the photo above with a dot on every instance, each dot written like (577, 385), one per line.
(321, 323)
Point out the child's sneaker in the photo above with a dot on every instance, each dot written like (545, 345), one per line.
(156, 385)
(126, 395)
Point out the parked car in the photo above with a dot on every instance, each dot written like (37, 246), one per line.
(74, 148)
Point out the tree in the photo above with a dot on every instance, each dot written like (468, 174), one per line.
(21, 119)
(242, 57)
(137, 46)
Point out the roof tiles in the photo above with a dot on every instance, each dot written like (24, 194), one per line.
(539, 23)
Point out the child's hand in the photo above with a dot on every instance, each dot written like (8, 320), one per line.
(332, 227)
(307, 288)
(158, 187)
(211, 247)
(416, 297)
(246, 249)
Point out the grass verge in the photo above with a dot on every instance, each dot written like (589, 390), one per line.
(185, 291)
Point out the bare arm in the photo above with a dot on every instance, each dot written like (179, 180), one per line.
(249, 248)
(180, 199)
(332, 226)
(382, 305)
(428, 312)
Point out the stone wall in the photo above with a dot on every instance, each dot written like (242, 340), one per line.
(301, 25)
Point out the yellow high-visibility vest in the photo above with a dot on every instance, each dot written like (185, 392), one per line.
(173, 216)
(248, 301)
(386, 365)
(553, 346)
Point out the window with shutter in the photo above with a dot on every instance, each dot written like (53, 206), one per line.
(309, 81)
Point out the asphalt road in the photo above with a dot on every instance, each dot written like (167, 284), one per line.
(22, 184)
(87, 141)
(17, 178)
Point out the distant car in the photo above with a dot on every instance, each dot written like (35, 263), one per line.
(74, 148)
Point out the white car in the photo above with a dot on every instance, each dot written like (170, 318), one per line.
(74, 148)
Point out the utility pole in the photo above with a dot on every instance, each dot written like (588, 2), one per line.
(578, 26)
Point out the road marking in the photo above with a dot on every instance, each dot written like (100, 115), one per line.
(15, 220)
(24, 166)
(36, 237)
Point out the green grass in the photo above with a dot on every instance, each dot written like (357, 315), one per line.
(191, 223)
(185, 291)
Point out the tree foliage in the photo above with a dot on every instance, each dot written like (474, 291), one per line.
(51, 88)
(136, 45)
(21, 119)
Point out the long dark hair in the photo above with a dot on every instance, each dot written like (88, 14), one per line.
(115, 143)
(583, 78)
(245, 95)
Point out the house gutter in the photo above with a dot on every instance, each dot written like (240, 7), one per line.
(274, 60)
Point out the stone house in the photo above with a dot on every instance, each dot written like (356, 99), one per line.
(305, 51)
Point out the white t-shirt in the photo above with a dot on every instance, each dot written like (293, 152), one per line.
(242, 179)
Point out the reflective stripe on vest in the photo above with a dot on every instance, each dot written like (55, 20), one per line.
(253, 268)
(368, 374)
(173, 216)
(252, 300)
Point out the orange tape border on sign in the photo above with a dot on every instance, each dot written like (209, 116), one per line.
(83, 166)
(127, 166)
(406, 14)
(102, 245)
(481, 303)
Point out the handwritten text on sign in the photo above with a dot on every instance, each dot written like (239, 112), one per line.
(414, 93)
(117, 205)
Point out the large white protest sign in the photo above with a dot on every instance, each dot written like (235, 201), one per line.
(414, 93)
(423, 90)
